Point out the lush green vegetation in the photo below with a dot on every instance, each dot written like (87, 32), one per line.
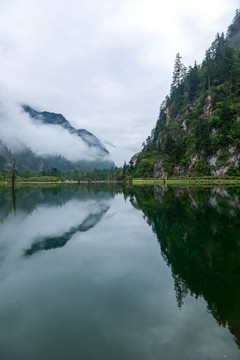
(56, 175)
(201, 116)
(122, 174)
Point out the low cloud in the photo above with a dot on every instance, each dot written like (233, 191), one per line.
(19, 131)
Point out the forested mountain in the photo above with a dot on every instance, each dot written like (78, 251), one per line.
(28, 160)
(198, 129)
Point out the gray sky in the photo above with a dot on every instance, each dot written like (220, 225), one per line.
(106, 65)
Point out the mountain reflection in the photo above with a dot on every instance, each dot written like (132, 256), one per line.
(45, 217)
(199, 235)
(48, 243)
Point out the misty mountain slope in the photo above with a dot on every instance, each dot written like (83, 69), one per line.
(27, 160)
(58, 119)
(198, 129)
(5, 156)
(49, 141)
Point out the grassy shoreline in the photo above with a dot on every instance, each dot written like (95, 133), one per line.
(188, 181)
(171, 181)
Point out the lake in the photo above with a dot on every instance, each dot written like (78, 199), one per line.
(119, 272)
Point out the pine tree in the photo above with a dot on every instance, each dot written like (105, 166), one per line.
(233, 32)
(193, 81)
(179, 73)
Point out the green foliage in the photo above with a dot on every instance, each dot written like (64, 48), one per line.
(193, 81)
(179, 74)
(202, 168)
(233, 31)
(55, 175)
(145, 168)
(214, 121)
(233, 172)
(168, 164)
(72, 175)
(185, 159)
(202, 135)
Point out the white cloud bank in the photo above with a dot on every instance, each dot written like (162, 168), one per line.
(19, 131)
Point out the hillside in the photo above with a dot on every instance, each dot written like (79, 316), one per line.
(198, 129)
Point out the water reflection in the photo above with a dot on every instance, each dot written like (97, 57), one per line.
(26, 198)
(36, 218)
(199, 234)
(48, 243)
(81, 275)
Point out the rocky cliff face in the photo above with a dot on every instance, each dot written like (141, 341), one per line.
(219, 161)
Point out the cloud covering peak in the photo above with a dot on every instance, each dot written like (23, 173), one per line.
(20, 131)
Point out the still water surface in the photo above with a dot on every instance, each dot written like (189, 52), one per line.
(119, 273)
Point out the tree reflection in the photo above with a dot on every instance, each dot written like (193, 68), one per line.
(30, 196)
(199, 235)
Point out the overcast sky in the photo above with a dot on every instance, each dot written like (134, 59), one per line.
(106, 65)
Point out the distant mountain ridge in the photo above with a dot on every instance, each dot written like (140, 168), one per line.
(58, 119)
